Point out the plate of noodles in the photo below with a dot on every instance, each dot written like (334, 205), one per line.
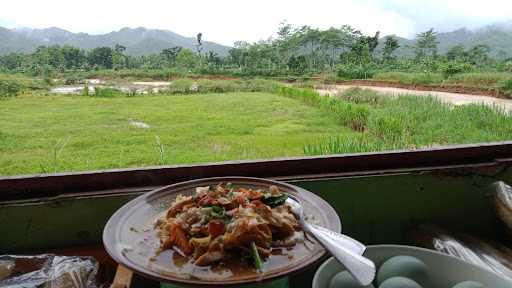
(217, 231)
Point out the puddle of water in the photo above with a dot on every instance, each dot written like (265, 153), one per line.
(70, 89)
(152, 83)
(134, 87)
(139, 124)
(95, 81)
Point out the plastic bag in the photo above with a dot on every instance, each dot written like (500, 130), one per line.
(48, 271)
(491, 256)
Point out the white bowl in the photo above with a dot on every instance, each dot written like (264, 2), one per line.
(445, 270)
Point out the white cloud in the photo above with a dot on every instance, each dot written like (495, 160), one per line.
(225, 21)
(447, 15)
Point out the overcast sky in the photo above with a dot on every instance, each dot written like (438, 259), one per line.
(226, 21)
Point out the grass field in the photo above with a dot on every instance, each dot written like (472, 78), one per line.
(43, 134)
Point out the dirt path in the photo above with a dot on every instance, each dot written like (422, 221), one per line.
(453, 98)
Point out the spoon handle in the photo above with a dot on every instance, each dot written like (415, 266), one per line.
(342, 240)
(361, 268)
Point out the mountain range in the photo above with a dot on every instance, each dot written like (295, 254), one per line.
(143, 41)
(138, 41)
(497, 36)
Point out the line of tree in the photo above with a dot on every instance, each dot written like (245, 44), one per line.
(48, 59)
(295, 51)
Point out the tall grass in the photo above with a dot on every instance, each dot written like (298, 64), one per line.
(479, 79)
(189, 86)
(350, 115)
(344, 144)
(161, 150)
(53, 161)
(362, 96)
(402, 122)
(413, 121)
(471, 79)
(411, 78)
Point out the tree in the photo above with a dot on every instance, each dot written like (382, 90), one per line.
(501, 55)
(49, 58)
(360, 53)
(119, 60)
(310, 37)
(170, 54)
(331, 40)
(284, 43)
(361, 50)
(11, 61)
(352, 46)
(119, 48)
(457, 53)
(479, 54)
(74, 58)
(285, 31)
(187, 59)
(426, 44)
(238, 54)
(213, 58)
(297, 64)
(390, 46)
(199, 45)
(101, 57)
(373, 42)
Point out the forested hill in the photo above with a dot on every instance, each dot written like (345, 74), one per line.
(498, 37)
(138, 41)
(142, 41)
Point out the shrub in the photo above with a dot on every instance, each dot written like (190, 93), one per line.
(187, 86)
(362, 96)
(107, 92)
(216, 86)
(181, 86)
(72, 80)
(508, 66)
(261, 85)
(305, 84)
(85, 91)
(409, 78)
(351, 71)
(506, 87)
(9, 88)
(479, 79)
(451, 68)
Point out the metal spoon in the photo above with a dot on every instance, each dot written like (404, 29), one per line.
(345, 249)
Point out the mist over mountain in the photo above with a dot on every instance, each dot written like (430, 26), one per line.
(497, 36)
(138, 41)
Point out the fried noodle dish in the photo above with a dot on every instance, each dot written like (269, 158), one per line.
(221, 222)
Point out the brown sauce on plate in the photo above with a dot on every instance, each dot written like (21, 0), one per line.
(234, 267)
